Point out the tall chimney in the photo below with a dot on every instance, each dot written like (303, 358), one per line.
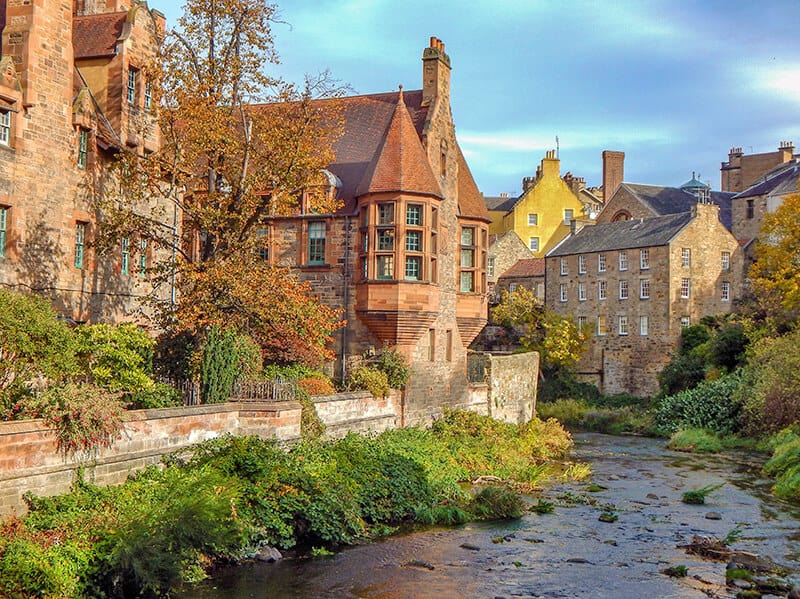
(613, 172)
(435, 72)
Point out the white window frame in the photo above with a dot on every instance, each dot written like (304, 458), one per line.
(533, 244)
(644, 288)
(644, 259)
(3, 230)
(623, 261)
(569, 216)
(562, 292)
(602, 290)
(130, 89)
(623, 324)
(623, 289)
(582, 264)
(686, 257)
(686, 322)
(725, 292)
(601, 262)
(644, 325)
(686, 288)
(563, 266)
(5, 127)
(726, 261)
(533, 220)
(490, 267)
(581, 292)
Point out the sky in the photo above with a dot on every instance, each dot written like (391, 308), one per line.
(674, 84)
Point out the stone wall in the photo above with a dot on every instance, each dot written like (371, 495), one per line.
(511, 384)
(30, 460)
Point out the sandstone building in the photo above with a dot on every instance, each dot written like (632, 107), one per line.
(743, 170)
(504, 252)
(636, 284)
(73, 93)
(405, 257)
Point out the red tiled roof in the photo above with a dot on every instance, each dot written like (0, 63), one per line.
(400, 164)
(527, 267)
(94, 36)
(470, 200)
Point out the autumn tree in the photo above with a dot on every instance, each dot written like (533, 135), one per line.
(237, 147)
(558, 340)
(775, 276)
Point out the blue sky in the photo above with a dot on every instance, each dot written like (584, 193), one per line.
(673, 84)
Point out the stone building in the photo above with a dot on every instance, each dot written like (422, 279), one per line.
(527, 273)
(636, 284)
(73, 93)
(544, 213)
(743, 170)
(405, 257)
(504, 252)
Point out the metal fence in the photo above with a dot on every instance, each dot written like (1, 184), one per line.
(278, 389)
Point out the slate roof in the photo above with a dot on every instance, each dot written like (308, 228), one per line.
(400, 164)
(673, 200)
(623, 235)
(526, 267)
(502, 204)
(95, 36)
(781, 180)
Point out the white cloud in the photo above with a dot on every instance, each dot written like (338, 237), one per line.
(783, 80)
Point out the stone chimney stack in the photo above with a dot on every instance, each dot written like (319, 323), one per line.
(551, 166)
(435, 72)
(613, 172)
(786, 149)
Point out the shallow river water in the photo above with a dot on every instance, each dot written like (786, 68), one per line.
(568, 553)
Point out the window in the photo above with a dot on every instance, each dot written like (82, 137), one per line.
(125, 267)
(431, 345)
(601, 263)
(643, 326)
(386, 213)
(686, 257)
(751, 208)
(262, 237)
(726, 291)
(539, 291)
(602, 290)
(582, 323)
(623, 325)
(644, 289)
(414, 215)
(5, 127)
(386, 239)
(601, 325)
(562, 291)
(142, 258)
(726, 261)
(316, 242)
(148, 95)
(623, 290)
(413, 268)
(644, 259)
(385, 266)
(467, 262)
(490, 267)
(512, 287)
(685, 322)
(568, 215)
(3, 230)
(564, 269)
(533, 244)
(623, 261)
(83, 147)
(533, 220)
(413, 241)
(582, 264)
(582, 292)
(685, 286)
(130, 93)
(80, 243)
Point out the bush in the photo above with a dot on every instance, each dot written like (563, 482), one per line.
(117, 358)
(227, 355)
(395, 366)
(497, 503)
(373, 380)
(160, 396)
(711, 405)
(695, 439)
(684, 372)
(564, 385)
(318, 384)
(785, 467)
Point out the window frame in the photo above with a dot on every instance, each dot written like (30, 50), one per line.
(602, 266)
(467, 276)
(533, 219)
(686, 257)
(582, 292)
(623, 325)
(83, 148)
(622, 261)
(725, 259)
(80, 244)
(602, 325)
(569, 216)
(725, 291)
(644, 289)
(562, 292)
(602, 290)
(563, 267)
(582, 264)
(131, 85)
(686, 288)
(316, 244)
(624, 289)
(5, 128)
(644, 259)
(644, 325)
(125, 256)
(533, 244)
(4, 210)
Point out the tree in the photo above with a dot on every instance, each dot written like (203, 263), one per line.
(558, 340)
(775, 275)
(238, 146)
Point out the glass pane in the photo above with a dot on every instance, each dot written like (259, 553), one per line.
(413, 268)
(386, 214)
(467, 258)
(386, 239)
(385, 267)
(467, 236)
(467, 281)
(414, 241)
(414, 214)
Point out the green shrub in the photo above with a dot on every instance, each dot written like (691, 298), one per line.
(563, 384)
(311, 425)
(395, 366)
(118, 358)
(49, 569)
(711, 405)
(373, 380)
(497, 503)
(160, 396)
(569, 412)
(684, 371)
(785, 467)
(695, 439)
(227, 355)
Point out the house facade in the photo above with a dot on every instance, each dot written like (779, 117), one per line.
(73, 93)
(635, 284)
(742, 170)
(405, 258)
(544, 213)
(504, 252)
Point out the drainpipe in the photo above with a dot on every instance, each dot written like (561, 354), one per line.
(345, 295)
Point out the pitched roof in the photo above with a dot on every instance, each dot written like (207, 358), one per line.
(664, 200)
(501, 204)
(94, 36)
(621, 235)
(781, 180)
(400, 164)
(526, 267)
(470, 200)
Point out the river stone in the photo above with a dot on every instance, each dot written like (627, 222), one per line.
(794, 594)
(269, 555)
(741, 583)
(713, 516)
(470, 547)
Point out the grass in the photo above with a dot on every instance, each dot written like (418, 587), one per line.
(784, 465)
(695, 440)
(613, 415)
(698, 496)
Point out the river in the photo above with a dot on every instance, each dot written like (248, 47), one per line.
(567, 553)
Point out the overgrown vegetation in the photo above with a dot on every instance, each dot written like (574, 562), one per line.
(227, 497)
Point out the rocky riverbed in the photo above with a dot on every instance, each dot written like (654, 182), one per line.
(618, 535)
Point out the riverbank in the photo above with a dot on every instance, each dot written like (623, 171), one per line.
(229, 497)
(570, 552)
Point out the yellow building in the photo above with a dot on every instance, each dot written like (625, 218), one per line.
(543, 214)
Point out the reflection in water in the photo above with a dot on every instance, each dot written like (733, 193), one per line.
(566, 554)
